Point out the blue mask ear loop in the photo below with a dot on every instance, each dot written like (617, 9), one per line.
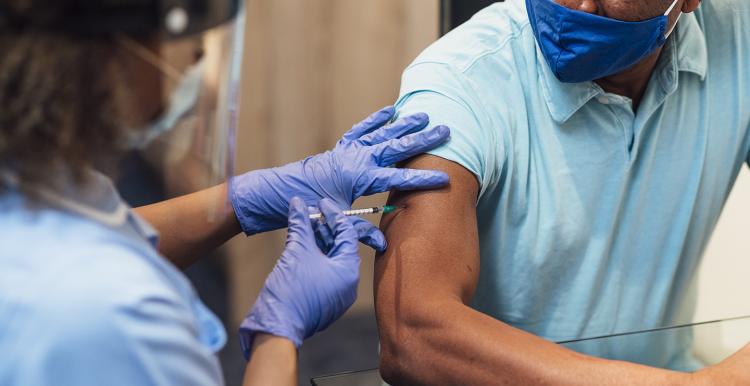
(669, 11)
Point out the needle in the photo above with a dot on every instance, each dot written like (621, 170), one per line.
(360, 212)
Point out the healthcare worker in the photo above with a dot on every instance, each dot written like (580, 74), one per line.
(85, 296)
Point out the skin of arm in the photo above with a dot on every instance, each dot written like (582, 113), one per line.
(273, 362)
(193, 225)
(430, 336)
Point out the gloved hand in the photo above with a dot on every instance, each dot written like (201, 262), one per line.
(357, 166)
(307, 290)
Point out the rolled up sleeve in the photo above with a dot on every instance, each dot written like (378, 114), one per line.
(443, 94)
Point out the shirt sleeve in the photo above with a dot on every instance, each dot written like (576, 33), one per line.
(128, 331)
(448, 98)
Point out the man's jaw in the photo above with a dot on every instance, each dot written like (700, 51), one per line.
(633, 81)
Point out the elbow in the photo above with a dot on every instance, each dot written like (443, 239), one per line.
(407, 348)
(398, 364)
(389, 369)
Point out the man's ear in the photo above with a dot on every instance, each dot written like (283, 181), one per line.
(690, 5)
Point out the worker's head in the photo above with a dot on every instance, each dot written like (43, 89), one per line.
(584, 40)
(82, 81)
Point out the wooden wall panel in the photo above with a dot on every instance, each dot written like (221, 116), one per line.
(312, 69)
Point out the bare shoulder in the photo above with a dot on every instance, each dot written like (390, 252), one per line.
(463, 186)
(433, 242)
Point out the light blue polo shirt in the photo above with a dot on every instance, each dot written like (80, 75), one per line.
(592, 218)
(86, 299)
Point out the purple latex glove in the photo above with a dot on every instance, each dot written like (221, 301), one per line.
(357, 166)
(308, 289)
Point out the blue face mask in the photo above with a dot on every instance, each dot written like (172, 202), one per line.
(580, 46)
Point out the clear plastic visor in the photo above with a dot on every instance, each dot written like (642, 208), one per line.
(187, 130)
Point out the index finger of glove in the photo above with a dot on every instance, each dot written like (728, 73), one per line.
(397, 150)
(386, 179)
(369, 234)
(324, 235)
(300, 229)
(346, 237)
(374, 121)
(398, 129)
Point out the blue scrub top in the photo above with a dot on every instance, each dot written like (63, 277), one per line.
(85, 298)
(592, 216)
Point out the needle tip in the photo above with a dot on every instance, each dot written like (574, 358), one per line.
(392, 208)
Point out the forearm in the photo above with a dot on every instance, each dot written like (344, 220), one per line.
(429, 335)
(447, 342)
(193, 225)
(273, 362)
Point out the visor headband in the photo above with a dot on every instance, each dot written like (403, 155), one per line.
(171, 18)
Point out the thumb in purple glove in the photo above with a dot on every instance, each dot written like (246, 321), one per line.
(307, 290)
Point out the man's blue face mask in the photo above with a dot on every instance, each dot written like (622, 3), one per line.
(580, 46)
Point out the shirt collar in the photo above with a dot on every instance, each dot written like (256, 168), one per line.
(686, 52)
(97, 200)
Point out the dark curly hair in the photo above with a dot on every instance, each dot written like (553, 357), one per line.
(57, 96)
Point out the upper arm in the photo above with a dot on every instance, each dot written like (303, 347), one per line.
(450, 99)
(433, 252)
(432, 260)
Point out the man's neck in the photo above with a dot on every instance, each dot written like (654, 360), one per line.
(632, 82)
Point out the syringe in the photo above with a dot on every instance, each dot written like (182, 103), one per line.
(360, 212)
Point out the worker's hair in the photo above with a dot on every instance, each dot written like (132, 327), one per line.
(56, 101)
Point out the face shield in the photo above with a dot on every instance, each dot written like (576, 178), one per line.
(184, 91)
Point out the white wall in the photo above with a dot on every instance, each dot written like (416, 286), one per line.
(312, 69)
(724, 282)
